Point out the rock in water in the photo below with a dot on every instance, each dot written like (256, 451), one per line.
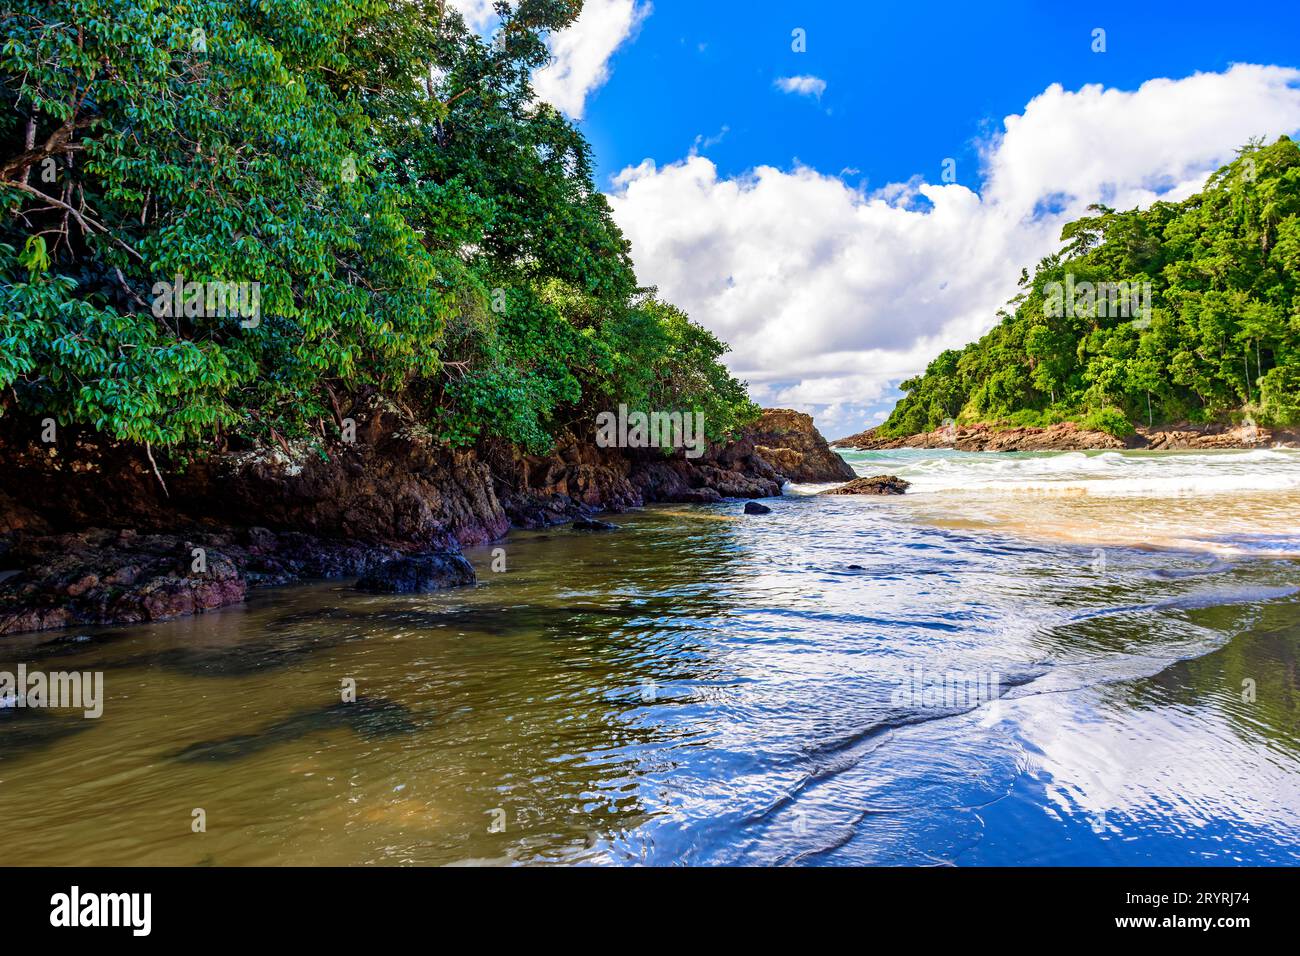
(372, 718)
(879, 485)
(415, 575)
(593, 524)
(754, 508)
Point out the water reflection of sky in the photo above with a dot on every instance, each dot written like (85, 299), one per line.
(807, 760)
(707, 687)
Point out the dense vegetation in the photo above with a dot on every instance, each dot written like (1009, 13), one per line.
(419, 225)
(1220, 340)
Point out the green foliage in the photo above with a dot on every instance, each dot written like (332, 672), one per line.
(1109, 420)
(1222, 331)
(418, 224)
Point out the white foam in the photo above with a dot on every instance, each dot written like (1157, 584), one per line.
(1105, 474)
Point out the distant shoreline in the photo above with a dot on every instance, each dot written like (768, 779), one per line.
(1068, 436)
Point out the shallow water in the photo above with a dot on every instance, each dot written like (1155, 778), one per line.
(705, 687)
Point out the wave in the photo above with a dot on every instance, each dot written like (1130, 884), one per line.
(1122, 487)
(1104, 474)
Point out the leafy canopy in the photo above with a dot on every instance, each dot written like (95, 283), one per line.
(417, 222)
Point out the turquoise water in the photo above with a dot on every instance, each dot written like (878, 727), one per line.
(1027, 659)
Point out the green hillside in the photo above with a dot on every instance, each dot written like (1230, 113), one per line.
(1184, 311)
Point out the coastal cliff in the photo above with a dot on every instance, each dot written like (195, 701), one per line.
(91, 534)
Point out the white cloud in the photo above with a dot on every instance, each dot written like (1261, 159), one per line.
(478, 14)
(582, 52)
(703, 142)
(829, 296)
(802, 85)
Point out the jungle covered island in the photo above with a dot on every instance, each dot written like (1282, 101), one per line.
(1180, 314)
(404, 222)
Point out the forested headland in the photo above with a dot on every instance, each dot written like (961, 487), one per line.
(1181, 312)
(413, 223)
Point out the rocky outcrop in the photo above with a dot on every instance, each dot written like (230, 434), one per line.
(879, 485)
(389, 486)
(734, 470)
(580, 477)
(1068, 436)
(97, 538)
(1238, 436)
(790, 442)
(418, 574)
(1063, 437)
(104, 576)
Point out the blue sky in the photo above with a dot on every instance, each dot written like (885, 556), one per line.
(797, 205)
(908, 84)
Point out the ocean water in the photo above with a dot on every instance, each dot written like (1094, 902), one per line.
(1027, 659)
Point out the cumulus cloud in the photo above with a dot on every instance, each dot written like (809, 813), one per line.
(581, 53)
(830, 295)
(802, 85)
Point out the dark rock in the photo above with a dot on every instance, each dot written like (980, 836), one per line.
(593, 524)
(26, 729)
(695, 496)
(99, 577)
(879, 485)
(1065, 436)
(111, 547)
(754, 508)
(372, 718)
(102, 576)
(791, 443)
(418, 574)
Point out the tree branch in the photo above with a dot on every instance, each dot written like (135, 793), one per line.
(57, 143)
(87, 223)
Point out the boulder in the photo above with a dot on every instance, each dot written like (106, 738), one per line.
(102, 576)
(790, 442)
(593, 524)
(418, 574)
(754, 508)
(879, 485)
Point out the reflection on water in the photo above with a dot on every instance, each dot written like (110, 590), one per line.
(708, 687)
